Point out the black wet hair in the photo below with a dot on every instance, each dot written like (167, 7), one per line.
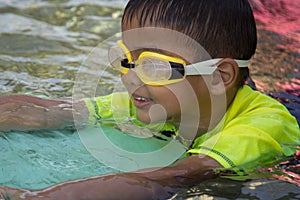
(225, 28)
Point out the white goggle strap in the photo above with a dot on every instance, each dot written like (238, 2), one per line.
(209, 66)
(242, 63)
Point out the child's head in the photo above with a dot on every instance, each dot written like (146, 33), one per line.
(225, 28)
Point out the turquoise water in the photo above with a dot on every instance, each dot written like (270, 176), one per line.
(40, 159)
(43, 44)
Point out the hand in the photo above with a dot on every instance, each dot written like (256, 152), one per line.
(16, 114)
(23, 113)
(12, 193)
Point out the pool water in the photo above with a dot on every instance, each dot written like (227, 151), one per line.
(40, 159)
(43, 44)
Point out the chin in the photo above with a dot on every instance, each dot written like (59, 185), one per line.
(143, 117)
(146, 119)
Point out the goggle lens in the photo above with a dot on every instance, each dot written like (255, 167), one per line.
(151, 69)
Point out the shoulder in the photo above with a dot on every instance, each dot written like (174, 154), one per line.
(254, 124)
(250, 104)
(252, 111)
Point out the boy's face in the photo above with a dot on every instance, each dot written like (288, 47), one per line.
(168, 102)
(177, 102)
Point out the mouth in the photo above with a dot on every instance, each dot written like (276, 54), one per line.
(141, 101)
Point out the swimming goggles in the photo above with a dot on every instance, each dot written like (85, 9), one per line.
(157, 69)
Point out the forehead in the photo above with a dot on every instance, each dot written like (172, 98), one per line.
(164, 40)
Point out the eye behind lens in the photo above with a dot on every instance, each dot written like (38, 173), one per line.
(152, 69)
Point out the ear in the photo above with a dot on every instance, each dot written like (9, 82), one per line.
(225, 76)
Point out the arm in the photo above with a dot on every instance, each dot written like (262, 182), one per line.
(145, 184)
(24, 113)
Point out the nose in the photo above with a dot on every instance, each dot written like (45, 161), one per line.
(131, 81)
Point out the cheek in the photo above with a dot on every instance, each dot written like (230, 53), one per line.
(167, 99)
(201, 92)
(199, 86)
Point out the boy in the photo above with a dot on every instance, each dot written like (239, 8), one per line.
(251, 125)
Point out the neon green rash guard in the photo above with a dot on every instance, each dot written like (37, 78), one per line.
(253, 127)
